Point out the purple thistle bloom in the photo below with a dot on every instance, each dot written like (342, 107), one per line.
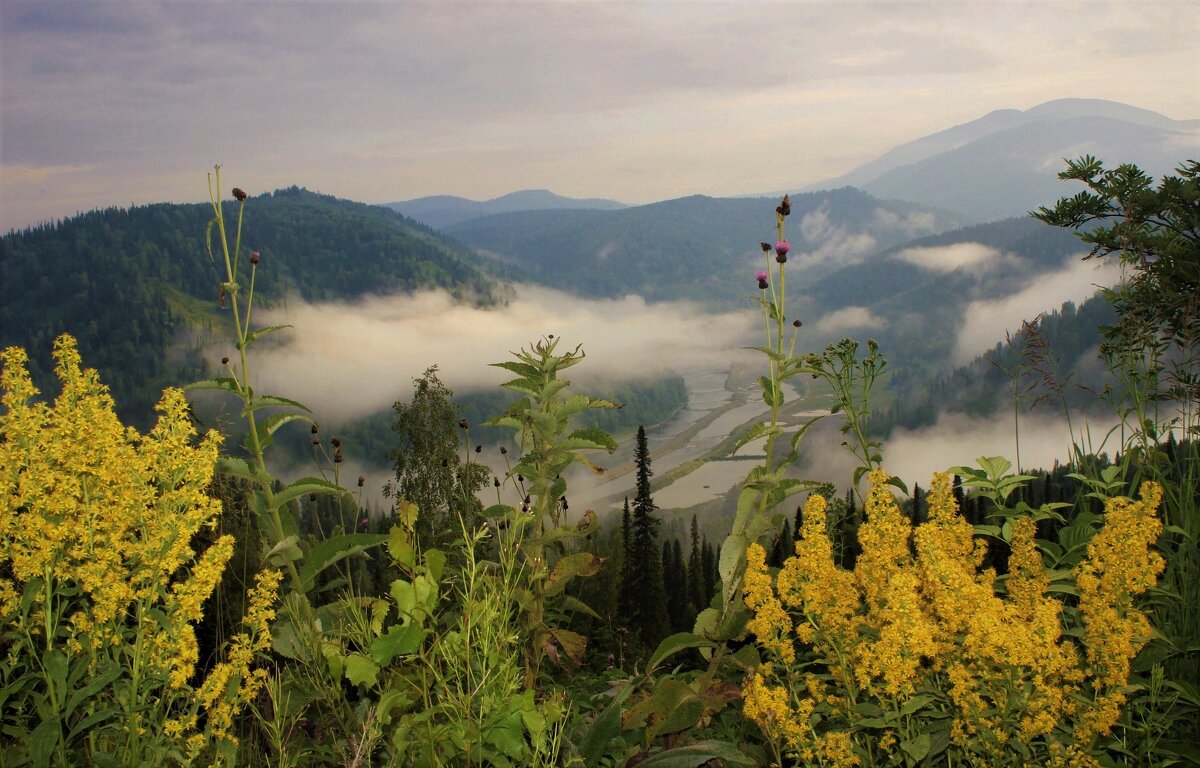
(782, 247)
(762, 280)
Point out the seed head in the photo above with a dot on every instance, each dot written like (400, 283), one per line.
(496, 482)
(239, 195)
(362, 480)
(464, 424)
(503, 451)
(254, 257)
(796, 323)
(314, 429)
(224, 361)
(785, 207)
(337, 456)
(766, 247)
(479, 449)
(336, 443)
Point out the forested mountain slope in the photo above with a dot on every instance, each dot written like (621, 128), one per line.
(134, 285)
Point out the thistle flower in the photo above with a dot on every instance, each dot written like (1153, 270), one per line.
(254, 257)
(781, 250)
(761, 277)
(239, 195)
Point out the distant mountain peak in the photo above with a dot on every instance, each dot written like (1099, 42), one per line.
(999, 165)
(442, 211)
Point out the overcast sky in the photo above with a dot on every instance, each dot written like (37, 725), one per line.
(119, 102)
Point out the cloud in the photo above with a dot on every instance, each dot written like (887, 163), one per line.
(834, 243)
(957, 439)
(947, 258)
(847, 319)
(986, 320)
(348, 360)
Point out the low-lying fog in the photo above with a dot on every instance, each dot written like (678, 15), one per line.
(348, 360)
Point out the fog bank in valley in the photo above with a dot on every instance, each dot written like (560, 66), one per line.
(957, 439)
(347, 360)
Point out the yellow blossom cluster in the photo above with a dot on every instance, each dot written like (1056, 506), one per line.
(97, 531)
(918, 616)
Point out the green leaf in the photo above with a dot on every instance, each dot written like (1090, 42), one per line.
(604, 729)
(674, 644)
(286, 551)
(398, 641)
(43, 741)
(771, 393)
(567, 568)
(593, 437)
(303, 487)
(234, 467)
(572, 643)
(222, 382)
(569, 603)
(267, 401)
(916, 748)
(435, 563)
(756, 431)
(256, 335)
(699, 754)
(361, 670)
(335, 549)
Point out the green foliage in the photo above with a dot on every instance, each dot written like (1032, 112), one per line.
(429, 469)
(548, 446)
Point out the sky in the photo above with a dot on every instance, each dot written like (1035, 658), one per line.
(119, 102)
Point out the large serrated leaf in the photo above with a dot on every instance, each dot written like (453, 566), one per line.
(756, 431)
(567, 568)
(596, 437)
(305, 486)
(335, 549)
(235, 467)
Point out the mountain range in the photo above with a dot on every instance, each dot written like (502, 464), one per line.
(1005, 163)
(442, 211)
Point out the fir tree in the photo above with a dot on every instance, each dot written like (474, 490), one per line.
(648, 614)
(695, 577)
(625, 600)
(708, 571)
(676, 586)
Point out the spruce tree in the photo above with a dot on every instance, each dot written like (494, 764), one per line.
(695, 577)
(648, 615)
(708, 571)
(625, 599)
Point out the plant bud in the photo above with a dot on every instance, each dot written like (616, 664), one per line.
(337, 456)
(785, 207)
(224, 361)
(239, 195)
(796, 323)
(336, 443)
(316, 440)
(315, 428)
(496, 481)
(254, 257)
(479, 449)
(464, 424)
(362, 480)
(766, 247)
(503, 451)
